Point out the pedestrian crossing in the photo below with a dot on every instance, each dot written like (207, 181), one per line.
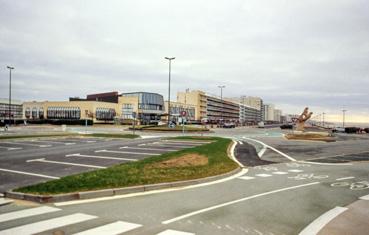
(269, 174)
(61, 222)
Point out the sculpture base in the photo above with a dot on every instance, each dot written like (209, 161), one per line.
(310, 135)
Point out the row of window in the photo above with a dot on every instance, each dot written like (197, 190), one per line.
(63, 113)
(105, 114)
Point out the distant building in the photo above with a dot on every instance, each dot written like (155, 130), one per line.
(269, 112)
(277, 115)
(249, 115)
(16, 110)
(176, 108)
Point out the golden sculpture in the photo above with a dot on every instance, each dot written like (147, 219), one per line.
(306, 115)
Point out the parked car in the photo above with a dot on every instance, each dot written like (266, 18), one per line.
(366, 130)
(351, 130)
(338, 130)
(286, 126)
(229, 125)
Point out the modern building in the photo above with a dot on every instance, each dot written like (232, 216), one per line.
(269, 112)
(176, 109)
(249, 115)
(277, 115)
(196, 98)
(15, 111)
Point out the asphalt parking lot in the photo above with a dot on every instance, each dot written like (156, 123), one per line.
(29, 161)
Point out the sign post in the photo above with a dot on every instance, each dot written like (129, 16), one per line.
(183, 115)
(134, 121)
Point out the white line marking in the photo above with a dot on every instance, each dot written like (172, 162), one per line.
(246, 177)
(262, 151)
(174, 143)
(242, 172)
(27, 213)
(152, 149)
(366, 197)
(168, 146)
(232, 154)
(112, 228)
(346, 178)
(263, 175)
(101, 157)
(66, 163)
(4, 201)
(174, 232)
(111, 151)
(29, 173)
(188, 141)
(274, 149)
(90, 141)
(328, 164)
(1, 195)
(321, 221)
(37, 145)
(9, 148)
(240, 142)
(235, 201)
(295, 170)
(47, 141)
(69, 143)
(141, 145)
(280, 173)
(48, 224)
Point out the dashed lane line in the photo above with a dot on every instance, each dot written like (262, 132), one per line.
(263, 175)
(246, 177)
(29, 173)
(27, 213)
(9, 148)
(346, 178)
(150, 149)
(280, 173)
(236, 201)
(126, 152)
(321, 221)
(66, 163)
(112, 228)
(100, 157)
(45, 225)
(174, 232)
(51, 142)
(295, 170)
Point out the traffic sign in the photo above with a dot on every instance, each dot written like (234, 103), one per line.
(183, 113)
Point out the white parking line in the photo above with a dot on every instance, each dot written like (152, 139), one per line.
(27, 144)
(27, 213)
(280, 173)
(102, 157)
(234, 202)
(263, 175)
(29, 173)
(366, 197)
(50, 142)
(152, 149)
(321, 221)
(66, 163)
(90, 141)
(174, 232)
(9, 148)
(246, 177)
(112, 151)
(295, 171)
(1, 195)
(262, 151)
(45, 225)
(346, 178)
(4, 201)
(112, 228)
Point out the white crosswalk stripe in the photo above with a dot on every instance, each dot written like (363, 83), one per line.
(110, 229)
(174, 232)
(48, 224)
(4, 201)
(26, 213)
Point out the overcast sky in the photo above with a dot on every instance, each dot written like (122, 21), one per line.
(291, 53)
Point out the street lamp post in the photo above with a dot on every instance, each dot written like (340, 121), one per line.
(10, 91)
(170, 64)
(323, 119)
(343, 117)
(221, 101)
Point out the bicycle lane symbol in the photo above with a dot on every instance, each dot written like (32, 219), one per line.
(308, 176)
(360, 185)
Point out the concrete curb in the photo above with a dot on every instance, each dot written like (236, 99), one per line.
(112, 192)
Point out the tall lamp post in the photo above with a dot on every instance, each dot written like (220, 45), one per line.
(221, 100)
(170, 64)
(10, 91)
(323, 119)
(343, 117)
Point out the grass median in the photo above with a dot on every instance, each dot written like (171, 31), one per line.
(198, 162)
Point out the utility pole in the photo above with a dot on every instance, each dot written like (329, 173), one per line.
(170, 63)
(221, 101)
(10, 91)
(343, 117)
(323, 119)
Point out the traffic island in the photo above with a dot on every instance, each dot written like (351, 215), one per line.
(176, 169)
(309, 135)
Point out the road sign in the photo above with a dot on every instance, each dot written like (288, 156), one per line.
(183, 113)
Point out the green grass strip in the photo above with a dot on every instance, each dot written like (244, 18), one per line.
(143, 172)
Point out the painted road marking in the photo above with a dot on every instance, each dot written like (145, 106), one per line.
(170, 146)
(1, 195)
(9, 148)
(346, 178)
(45, 225)
(246, 177)
(4, 201)
(295, 170)
(152, 149)
(174, 232)
(235, 201)
(280, 173)
(89, 141)
(240, 142)
(321, 221)
(176, 143)
(66, 163)
(101, 157)
(141, 145)
(188, 141)
(112, 228)
(366, 197)
(51, 142)
(27, 144)
(27, 213)
(263, 175)
(83, 201)
(327, 164)
(29, 173)
(262, 151)
(111, 151)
